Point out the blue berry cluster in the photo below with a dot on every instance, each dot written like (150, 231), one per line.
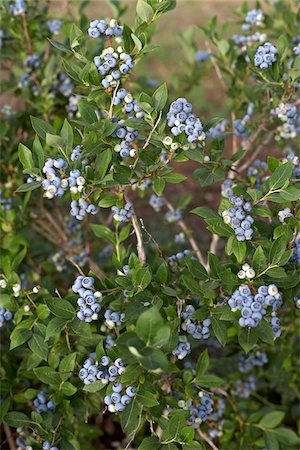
(72, 106)
(122, 214)
(183, 348)
(76, 153)
(5, 316)
(104, 371)
(113, 318)
(175, 259)
(297, 301)
(296, 164)
(237, 217)
(257, 358)
(64, 84)
(244, 40)
(87, 302)
(181, 119)
(130, 104)
(265, 56)
(201, 412)
(190, 325)
(253, 307)
(156, 202)
(32, 61)
(48, 446)
(295, 258)
(287, 113)
(244, 388)
(254, 17)
(173, 216)
(127, 136)
(101, 27)
(18, 7)
(54, 26)
(79, 209)
(217, 131)
(5, 202)
(284, 214)
(240, 124)
(296, 50)
(112, 65)
(201, 55)
(117, 400)
(42, 404)
(1, 37)
(109, 341)
(256, 171)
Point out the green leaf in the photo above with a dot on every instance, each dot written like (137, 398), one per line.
(259, 260)
(67, 135)
(286, 436)
(202, 363)
(46, 375)
(54, 140)
(144, 11)
(149, 443)
(160, 96)
(68, 388)
(60, 46)
(290, 194)
(41, 127)
(103, 232)
(248, 338)
(141, 277)
(87, 112)
(94, 387)
(271, 441)
(38, 346)
(67, 364)
(16, 419)
(131, 417)
(148, 324)
(54, 326)
(265, 332)
(26, 187)
(19, 336)
(174, 178)
(277, 249)
(127, 39)
(74, 36)
(272, 419)
(208, 380)
(146, 399)
(159, 186)
(61, 308)
(102, 163)
(220, 330)
(25, 156)
(38, 152)
(280, 175)
(206, 213)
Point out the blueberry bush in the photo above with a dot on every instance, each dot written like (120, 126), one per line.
(176, 329)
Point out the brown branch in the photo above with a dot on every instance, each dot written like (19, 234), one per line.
(189, 235)
(256, 152)
(140, 246)
(9, 437)
(206, 439)
(26, 32)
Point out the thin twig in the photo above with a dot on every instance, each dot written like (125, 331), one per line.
(256, 152)
(206, 439)
(111, 108)
(140, 246)
(189, 235)
(214, 243)
(9, 437)
(26, 32)
(152, 130)
(152, 238)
